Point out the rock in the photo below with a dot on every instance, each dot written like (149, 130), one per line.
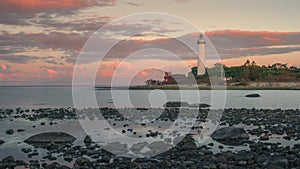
(87, 140)
(261, 158)
(8, 162)
(244, 156)
(50, 137)
(54, 165)
(252, 95)
(1, 142)
(176, 104)
(136, 148)
(187, 143)
(200, 105)
(9, 132)
(8, 159)
(273, 166)
(230, 136)
(82, 163)
(116, 148)
(264, 137)
(20, 130)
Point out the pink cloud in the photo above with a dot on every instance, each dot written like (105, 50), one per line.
(43, 5)
(52, 73)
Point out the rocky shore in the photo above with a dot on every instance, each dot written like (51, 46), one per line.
(245, 138)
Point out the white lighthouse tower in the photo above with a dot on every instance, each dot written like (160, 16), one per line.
(201, 55)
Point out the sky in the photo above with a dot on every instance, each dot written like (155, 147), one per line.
(41, 40)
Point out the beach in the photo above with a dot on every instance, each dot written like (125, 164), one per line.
(272, 140)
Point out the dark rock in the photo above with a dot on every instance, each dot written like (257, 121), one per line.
(87, 140)
(54, 165)
(20, 130)
(82, 163)
(8, 162)
(264, 137)
(261, 158)
(230, 136)
(176, 104)
(50, 137)
(64, 167)
(244, 156)
(199, 105)
(9, 132)
(1, 142)
(252, 95)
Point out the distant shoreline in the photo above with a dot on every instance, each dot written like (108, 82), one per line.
(208, 88)
(230, 86)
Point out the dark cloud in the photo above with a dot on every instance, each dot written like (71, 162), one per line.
(237, 43)
(22, 59)
(21, 12)
(229, 44)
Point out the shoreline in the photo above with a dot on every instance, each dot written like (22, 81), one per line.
(266, 144)
(169, 87)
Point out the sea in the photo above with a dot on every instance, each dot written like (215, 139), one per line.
(63, 96)
(35, 97)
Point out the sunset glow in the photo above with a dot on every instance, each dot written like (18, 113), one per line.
(41, 39)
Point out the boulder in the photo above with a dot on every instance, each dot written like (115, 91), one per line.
(200, 105)
(50, 137)
(230, 136)
(87, 140)
(252, 95)
(9, 132)
(1, 142)
(176, 104)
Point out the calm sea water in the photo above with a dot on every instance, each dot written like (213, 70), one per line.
(61, 96)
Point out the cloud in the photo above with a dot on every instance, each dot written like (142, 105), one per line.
(33, 12)
(238, 43)
(22, 59)
(228, 43)
(133, 4)
(7, 73)
(29, 6)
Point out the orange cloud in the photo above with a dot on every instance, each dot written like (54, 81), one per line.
(143, 74)
(52, 73)
(3, 66)
(275, 40)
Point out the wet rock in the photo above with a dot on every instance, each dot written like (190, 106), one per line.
(34, 164)
(9, 132)
(176, 104)
(8, 162)
(261, 158)
(87, 140)
(54, 165)
(137, 148)
(264, 137)
(50, 137)
(252, 95)
(230, 136)
(199, 105)
(116, 148)
(20, 130)
(1, 142)
(83, 163)
(187, 143)
(244, 156)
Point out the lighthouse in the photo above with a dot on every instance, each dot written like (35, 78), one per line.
(201, 55)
